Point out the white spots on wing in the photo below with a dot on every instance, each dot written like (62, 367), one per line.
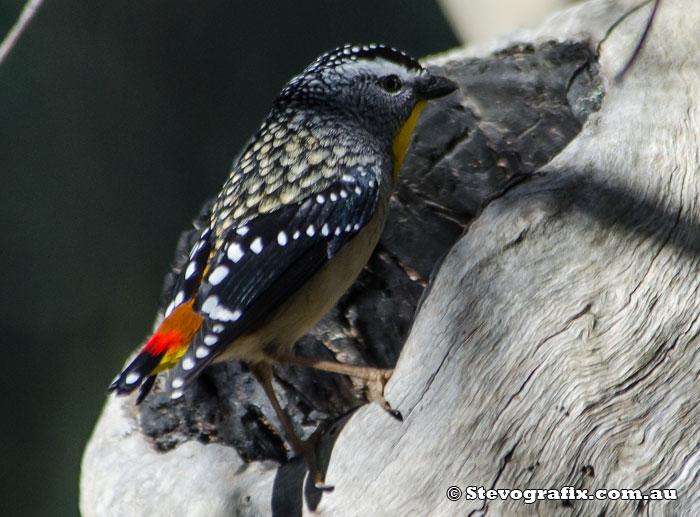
(191, 268)
(337, 231)
(282, 238)
(187, 363)
(210, 339)
(343, 194)
(179, 298)
(256, 246)
(347, 228)
(235, 252)
(201, 352)
(216, 276)
(320, 199)
(242, 230)
(296, 235)
(196, 249)
(219, 312)
(133, 378)
(358, 190)
(210, 304)
(311, 231)
(356, 227)
(178, 382)
(348, 178)
(218, 328)
(176, 394)
(223, 314)
(325, 230)
(371, 183)
(334, 197)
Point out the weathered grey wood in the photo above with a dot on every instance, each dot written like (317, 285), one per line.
(557, 343)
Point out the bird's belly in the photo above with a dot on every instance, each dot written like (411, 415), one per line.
(309, 304)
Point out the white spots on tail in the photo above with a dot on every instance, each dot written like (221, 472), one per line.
(347, 228)
(311, 231)
(176, 394)
(133, 378)
(343, 194)
(356, 227)
(358, 190)
(256, 246)
(210, 339)
(218, 328)
(187, 363)
(178, 382)
(282, 238)
(334, 197)
(191, 268)
(235, 252)
(337, 230)
(216, 276)
(201, 352)
(179, 298)
(325, 230)
(296, 235)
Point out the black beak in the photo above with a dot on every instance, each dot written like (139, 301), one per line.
(434, 86)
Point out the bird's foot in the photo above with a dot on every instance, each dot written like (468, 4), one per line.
(376, 382)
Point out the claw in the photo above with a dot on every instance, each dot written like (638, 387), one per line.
(375, 390)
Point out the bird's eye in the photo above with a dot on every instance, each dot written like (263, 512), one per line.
(391, 83)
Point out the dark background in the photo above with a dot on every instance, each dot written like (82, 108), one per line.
(117, 121)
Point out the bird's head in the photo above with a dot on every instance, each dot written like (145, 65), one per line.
(374, 87)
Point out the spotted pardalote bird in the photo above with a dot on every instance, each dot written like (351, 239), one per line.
(293, 226)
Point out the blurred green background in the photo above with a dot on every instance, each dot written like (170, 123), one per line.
(117, 121)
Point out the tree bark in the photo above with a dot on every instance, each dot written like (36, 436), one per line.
(556, 343)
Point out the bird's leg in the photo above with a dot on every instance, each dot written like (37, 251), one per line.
(376, 378)
(305, 449)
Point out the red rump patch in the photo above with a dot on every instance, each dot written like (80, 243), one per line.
(173, 335)
(163, 341)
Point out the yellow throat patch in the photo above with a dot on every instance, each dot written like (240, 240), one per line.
(399, 144)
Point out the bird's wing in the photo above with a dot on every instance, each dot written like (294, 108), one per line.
(263, 262)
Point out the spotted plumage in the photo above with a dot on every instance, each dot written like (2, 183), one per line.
(294, 223)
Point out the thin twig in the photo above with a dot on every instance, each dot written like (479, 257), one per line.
(640, 44)
(28, 12)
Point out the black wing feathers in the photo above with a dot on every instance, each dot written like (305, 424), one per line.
(264, 262)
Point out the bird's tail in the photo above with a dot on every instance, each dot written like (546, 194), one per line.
(161, 352)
